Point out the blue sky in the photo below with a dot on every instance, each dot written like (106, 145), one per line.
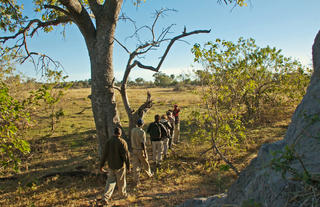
(290, 25)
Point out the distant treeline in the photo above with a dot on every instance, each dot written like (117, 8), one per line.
(161, 79)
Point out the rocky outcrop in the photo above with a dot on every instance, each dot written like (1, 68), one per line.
(259, 182)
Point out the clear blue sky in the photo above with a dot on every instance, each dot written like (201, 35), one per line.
(290, 25)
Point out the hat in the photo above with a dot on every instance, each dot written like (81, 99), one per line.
(140, 122)
(175, 105)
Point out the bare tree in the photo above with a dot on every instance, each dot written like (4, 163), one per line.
(142, 49)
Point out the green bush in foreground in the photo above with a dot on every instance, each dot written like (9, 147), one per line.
(13, 118)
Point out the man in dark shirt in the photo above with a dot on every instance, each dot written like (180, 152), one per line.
(117, 155)
(156, 131)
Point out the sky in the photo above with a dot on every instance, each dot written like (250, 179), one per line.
(289, 25)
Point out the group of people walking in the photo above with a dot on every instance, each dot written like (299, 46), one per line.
(164, 133)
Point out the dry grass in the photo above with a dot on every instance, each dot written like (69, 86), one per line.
(61, 170)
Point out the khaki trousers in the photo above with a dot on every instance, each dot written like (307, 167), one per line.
(116, 177)
(140, 162)
(165, 146)
(176, 134)
(157, 148)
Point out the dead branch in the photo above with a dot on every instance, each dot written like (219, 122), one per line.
(113, 86)
(145, 107)
(207, 150)
(84, 108)
(156, 69)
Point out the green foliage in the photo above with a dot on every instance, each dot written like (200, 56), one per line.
(13, 120)
(250, 203)
(251, 75)
(11, 15)
(283, 159)
(163, 80)
(308, 184)
(240, 79)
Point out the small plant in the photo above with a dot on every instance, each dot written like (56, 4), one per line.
(306, 190)
(250, 203)
(51, 94)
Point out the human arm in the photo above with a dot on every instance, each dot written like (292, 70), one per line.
(104, 158)
(125, 154)
(143, 144)
(148, 129)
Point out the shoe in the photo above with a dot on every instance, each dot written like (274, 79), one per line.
(137, 184)
(150, 174)
(105, 202)
(125, 196)
(101, 202)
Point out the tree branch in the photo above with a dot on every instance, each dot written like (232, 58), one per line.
(59, 9)
(156, 69)
(142, 49)
(145, 107)
(24, 32)
(95, 7)
(111, 9)
(55, 22)
(113, 86)
(124, 47)
(81, 17)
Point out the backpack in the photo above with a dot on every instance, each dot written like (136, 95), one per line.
(154, 130)
(165, 129)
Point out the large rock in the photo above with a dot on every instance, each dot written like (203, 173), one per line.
(258, 182)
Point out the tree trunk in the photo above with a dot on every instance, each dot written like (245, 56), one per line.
(103, 101)
(100, 50)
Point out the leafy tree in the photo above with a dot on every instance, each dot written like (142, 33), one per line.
(96, 20)
(254, 75)
(139, 81)
(238, 78)
(162, 79)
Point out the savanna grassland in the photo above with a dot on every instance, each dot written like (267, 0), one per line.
(62, 167)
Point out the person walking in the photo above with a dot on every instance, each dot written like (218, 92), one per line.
(117, 156)
(171, 121)
(155, 129)
(166, 136)
(175, 112)
(139, 152)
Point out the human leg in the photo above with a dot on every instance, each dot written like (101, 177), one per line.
(177, 132)
(136, 164)
(145, 164)
(110, 185)
(159, 150)
(154, 151)
(165, 147)
(121, 181)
